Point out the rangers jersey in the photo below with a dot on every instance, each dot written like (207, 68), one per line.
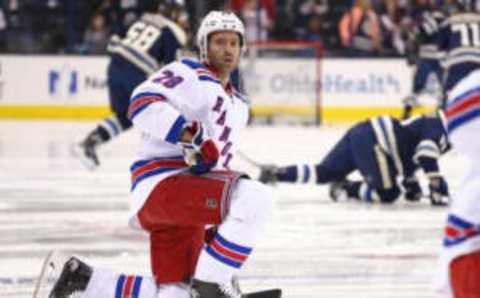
(462, 231)
(178, 93)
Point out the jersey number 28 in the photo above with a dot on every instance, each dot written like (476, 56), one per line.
(141, 36)
(469, 33)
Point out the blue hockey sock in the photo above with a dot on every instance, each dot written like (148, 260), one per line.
(288, 174)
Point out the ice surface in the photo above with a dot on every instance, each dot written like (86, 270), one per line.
(313, 248)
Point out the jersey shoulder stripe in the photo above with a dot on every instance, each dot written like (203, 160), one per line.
(203, 73)
(242, 97)
(141, 101)
(463, 109)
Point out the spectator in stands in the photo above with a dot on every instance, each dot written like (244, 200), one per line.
(315, 21)
(393, 17)
(3, 31)
(119, 14)
(258, 16)
(96, 36)
(360, 31)
(304, 10)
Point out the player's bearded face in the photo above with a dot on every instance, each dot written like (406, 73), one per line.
(224, 50)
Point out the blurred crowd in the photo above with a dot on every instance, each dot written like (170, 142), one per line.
(344, 27)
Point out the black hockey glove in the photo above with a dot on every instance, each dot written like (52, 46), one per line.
(413, 191)
(439, 195)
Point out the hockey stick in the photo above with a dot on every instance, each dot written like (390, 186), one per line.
(249, 160)
(273, 293)
(43, 275)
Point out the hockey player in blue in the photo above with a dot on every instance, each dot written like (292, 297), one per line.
(423, 53)
(382, 149)
(459, 37)
(135, 53)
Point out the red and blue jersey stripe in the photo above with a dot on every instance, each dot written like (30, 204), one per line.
(459, 230)
(204, 74)
(128, 286)
(143, 169)
(141, 101)
(463, 109)
(227, 252)
(241, 97)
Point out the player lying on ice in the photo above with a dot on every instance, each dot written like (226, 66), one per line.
(190, 118)
(382, 149)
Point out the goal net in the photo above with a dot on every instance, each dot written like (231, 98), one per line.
(283, 81)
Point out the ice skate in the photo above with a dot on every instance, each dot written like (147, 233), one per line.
(338, 191)
(86, 152)
(202, 289)
(409, 103)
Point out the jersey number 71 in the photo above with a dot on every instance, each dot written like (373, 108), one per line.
(469, 33)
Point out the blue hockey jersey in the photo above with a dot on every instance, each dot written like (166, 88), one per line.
(426, 33)
(148, 43)
(416, 142)
(459, 37)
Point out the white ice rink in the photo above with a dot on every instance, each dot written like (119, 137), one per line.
(314, 247)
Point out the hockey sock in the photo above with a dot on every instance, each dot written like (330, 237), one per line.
(301, 173)
(109, 128)
(366, 192)
(108, 284)
(238, 233)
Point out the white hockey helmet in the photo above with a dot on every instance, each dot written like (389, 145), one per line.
(216, 21)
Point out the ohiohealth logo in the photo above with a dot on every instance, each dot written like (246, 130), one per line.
(63, 81)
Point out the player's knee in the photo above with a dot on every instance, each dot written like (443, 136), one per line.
(251, 201)
(324, 174)
(389, 195)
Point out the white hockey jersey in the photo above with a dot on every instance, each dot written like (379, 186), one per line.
(180, 92)
(462, 232)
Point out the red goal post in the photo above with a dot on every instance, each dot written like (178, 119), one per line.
(283, 80)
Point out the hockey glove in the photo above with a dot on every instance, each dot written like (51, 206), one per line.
(439, 195)
(200, 153)
(413, 191)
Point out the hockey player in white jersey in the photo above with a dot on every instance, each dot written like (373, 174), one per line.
(460, 258)
(190, 118)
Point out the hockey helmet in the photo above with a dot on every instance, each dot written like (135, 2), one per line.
(216, 21)
(168, 8)
(172, 8)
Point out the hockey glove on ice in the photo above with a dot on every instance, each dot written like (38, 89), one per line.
(439, 195)
(413, 191)
(201, 154)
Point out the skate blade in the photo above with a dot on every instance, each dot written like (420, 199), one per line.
(77, 152)
(49, 273)
(273, 293)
